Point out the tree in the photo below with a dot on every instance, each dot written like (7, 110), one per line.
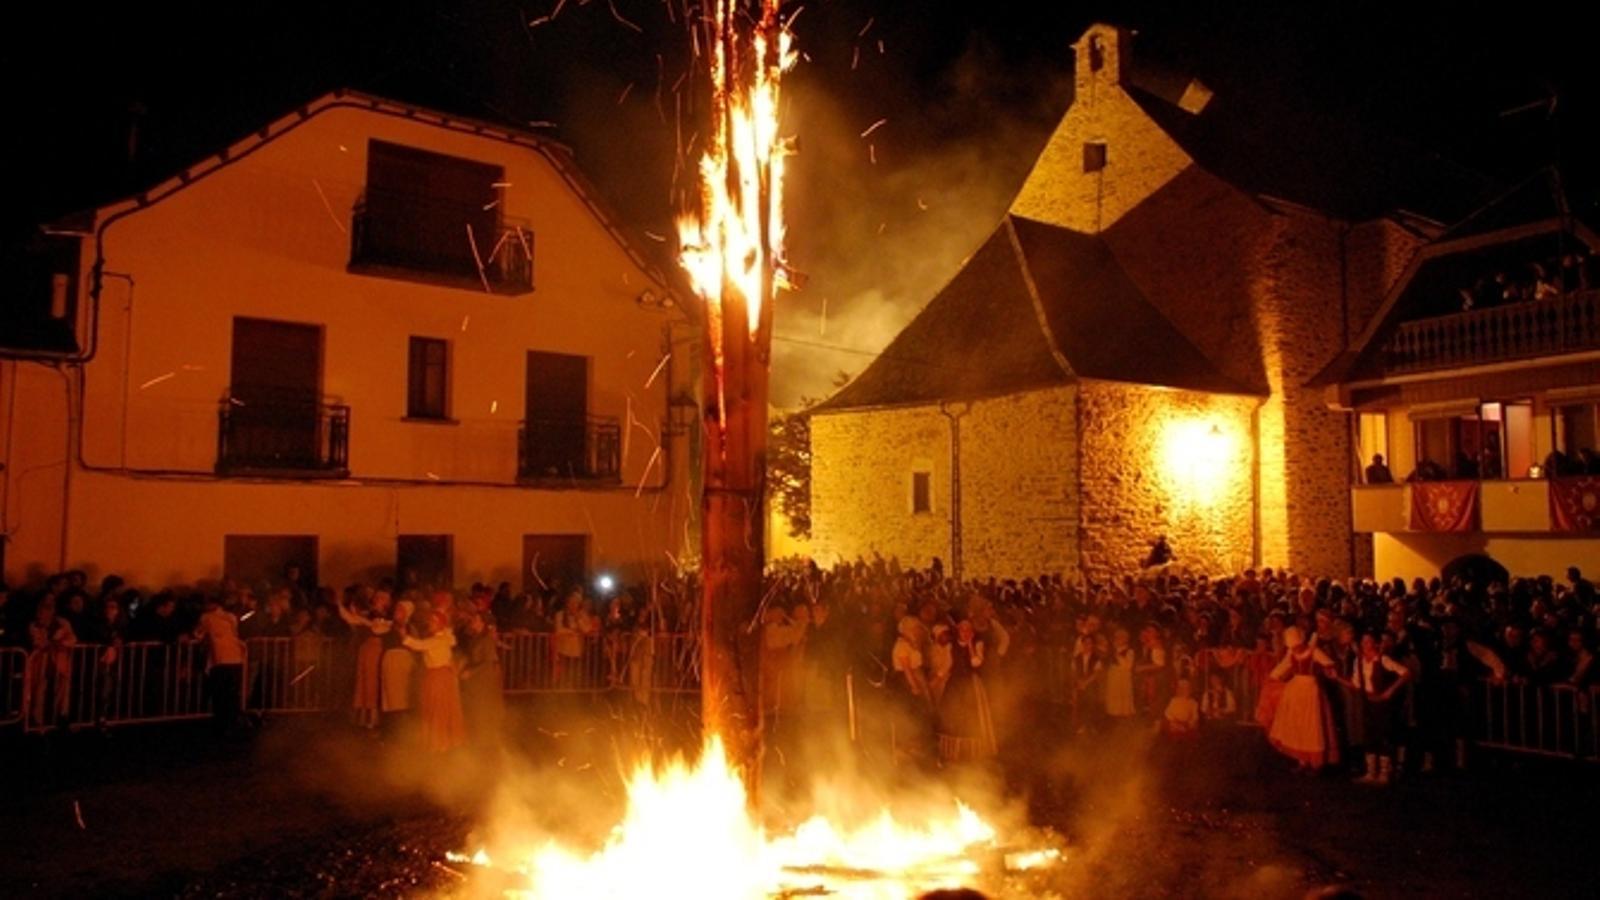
(789, 463)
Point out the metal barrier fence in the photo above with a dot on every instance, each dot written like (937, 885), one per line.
(1545, 719)
(13, 688)
(543, 663)
(291, 675)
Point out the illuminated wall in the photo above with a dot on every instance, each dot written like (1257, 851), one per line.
(268, 236)
(1157, 461)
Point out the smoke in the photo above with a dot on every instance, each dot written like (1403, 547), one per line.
(878, 223)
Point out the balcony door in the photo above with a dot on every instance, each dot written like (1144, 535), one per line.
(275, 388)
(421, 206)
(557, 415)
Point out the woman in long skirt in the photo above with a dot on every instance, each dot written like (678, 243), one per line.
(398, 669)
(1302, 726)
(481, 681)
(443, 727)
(368, 628)
(966, 725)
(1119, 668)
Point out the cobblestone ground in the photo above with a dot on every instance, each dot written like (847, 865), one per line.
(306, 809)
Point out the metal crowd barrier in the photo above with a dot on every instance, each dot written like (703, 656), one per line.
(1544, 719)
(13, 684)
(543, 663)
(290, 675)
(95, 684)
(1243, 673)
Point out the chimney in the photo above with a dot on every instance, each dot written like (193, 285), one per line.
(1104, 53)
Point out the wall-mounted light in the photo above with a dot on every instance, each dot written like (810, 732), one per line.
(1195, 454)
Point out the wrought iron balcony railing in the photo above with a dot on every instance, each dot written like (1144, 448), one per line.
(570, 451)
(290, 434)
(439, 240)
(1564, 324)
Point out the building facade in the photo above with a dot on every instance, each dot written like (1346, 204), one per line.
(1197, 260)
(368, 339)
(1479, 384)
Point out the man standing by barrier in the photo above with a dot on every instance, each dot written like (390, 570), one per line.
(219, 629)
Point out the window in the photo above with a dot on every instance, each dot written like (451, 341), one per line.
(260, 560)
(1094, 156)
(418, 209)
(921, 492)
(1576, 427)
(424, 561)
(428, 393)
(1097, 54)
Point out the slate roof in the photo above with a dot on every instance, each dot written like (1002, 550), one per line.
(1032, 290)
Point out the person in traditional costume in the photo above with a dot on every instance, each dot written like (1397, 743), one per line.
(398, 671)
(1376, 677)
(443, 727)
(1302, 726)
(368, 628)
(1119, 668)
(481, 681)
(1181, 719)
(966, 725)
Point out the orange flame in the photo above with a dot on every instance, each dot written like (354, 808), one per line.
(732, 245)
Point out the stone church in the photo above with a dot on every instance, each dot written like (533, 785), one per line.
(1130, 352)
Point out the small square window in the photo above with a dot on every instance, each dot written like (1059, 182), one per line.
(1094, 156)
(921, 492)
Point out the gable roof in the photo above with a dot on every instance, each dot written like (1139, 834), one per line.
(558, 155)
(1036, 306)
(1531, 221)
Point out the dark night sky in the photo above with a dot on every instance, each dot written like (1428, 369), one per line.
(970, 92)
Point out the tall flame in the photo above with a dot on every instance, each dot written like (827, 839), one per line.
(732, 245)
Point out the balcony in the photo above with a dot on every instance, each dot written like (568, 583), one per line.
(1565, 324)
(437, 240)
(570, 452)
(1512, 506)
(282, 435)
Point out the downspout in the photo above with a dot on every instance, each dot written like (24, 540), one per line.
(1344, 345)
(1255, 484)
(955, 483)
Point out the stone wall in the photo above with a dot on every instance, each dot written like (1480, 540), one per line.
(1019, 507)
(1156, 461)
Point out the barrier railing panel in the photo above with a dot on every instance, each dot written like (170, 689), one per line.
(13, 687)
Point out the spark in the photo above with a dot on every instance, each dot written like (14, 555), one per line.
(432, 477)
(77, 813)
(882, 226)
(880, 46)
(625, 92)
(866, 28)
(494, 407)
(872, 153)
(618, 16)
(659, 366)
(541, 123)
(191, 367)
(343, 149)
(477, 258)
(855, 58)
(500, 184)
(647, 467)
(922, 205)
(874, 127)
(655, 237)
(492, 204)
(464, 320)
(301, 677)
(157, 380)
(328, 206)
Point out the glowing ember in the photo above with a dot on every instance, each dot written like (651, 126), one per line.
(688, 832)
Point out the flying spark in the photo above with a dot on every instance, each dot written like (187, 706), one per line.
(157, 380)
(874, 127)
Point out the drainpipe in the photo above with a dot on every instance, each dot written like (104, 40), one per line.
(954, 415)
(1255, 484)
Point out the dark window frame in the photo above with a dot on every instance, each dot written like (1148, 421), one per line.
(420, 405)
(921, 493)
(1095, 156)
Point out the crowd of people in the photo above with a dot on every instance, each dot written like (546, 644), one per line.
(1575, 270)
(1353, 671)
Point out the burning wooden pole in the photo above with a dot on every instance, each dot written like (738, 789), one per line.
(732, 251)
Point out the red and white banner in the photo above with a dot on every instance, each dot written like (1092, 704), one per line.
(1575, 504)
(1444, 506)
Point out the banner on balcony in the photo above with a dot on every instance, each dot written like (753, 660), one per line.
(1575, 504)
(1444, 506)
